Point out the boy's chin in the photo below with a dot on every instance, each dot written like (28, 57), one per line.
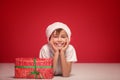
(59, 48)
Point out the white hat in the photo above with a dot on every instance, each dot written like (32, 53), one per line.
(57, 25)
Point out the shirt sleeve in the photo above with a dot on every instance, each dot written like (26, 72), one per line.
(44, 52)
(41, 53)
(71, 54)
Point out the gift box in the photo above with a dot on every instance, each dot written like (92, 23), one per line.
(34, 68)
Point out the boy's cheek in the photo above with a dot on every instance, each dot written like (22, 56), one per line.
(53, 40)
(66, 40)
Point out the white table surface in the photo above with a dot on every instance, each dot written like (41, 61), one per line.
(80, 71)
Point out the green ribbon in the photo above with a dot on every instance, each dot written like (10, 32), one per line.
(35, 72)
(33, 66)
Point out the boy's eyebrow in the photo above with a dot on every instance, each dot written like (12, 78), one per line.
(64, 34)
(55, 35)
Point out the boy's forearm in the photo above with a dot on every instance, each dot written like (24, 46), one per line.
(66, 66)
(55, 60)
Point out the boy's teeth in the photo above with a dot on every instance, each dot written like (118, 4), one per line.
(59, 45)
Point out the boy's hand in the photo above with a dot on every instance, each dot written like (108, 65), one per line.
(65, 46)
(56, 50)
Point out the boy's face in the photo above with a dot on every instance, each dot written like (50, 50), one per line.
(59, 40)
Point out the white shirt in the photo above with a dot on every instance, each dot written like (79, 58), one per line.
(70, 55)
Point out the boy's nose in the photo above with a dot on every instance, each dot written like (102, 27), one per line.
(59, 39)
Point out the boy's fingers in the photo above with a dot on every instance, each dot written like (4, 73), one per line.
(67, 43)
(51, 41)
(52, 44)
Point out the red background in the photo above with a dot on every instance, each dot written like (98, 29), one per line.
(95, 26)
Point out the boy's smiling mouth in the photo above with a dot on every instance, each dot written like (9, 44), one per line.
(59, 44)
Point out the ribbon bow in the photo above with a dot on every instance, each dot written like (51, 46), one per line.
(35, 72)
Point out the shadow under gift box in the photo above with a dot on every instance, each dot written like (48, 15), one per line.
(38, 68)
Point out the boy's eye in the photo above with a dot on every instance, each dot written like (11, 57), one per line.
(55, 36)
(63, 36)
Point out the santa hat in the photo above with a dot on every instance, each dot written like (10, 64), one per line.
(57, 25)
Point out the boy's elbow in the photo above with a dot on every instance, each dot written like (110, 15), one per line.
(66, 74)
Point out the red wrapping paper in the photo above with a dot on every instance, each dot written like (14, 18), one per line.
(34, 68)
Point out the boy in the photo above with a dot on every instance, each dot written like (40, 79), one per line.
(58, 48)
